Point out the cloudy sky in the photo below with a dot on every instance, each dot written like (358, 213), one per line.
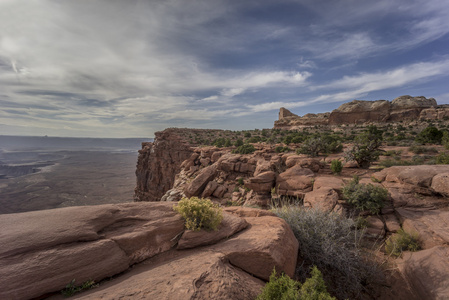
(129, 68)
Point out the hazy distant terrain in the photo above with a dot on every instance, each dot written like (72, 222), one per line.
(44, 172)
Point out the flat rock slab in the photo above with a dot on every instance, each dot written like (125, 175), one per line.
(43, 251)
(427, 272)
(432, 225)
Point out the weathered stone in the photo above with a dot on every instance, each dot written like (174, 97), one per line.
(440, 184)
(209, 189)
(263, 183)
(324, 199)
(332, 182)
(376, 228)
(391, 223)
(42, 251)
(427, 272)
(432, 225)
(230, 225)
(294, 181)
(196, 187)
(158, 163)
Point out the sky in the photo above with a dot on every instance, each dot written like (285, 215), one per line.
(90, 68)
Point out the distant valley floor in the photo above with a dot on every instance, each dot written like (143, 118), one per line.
(72, 178)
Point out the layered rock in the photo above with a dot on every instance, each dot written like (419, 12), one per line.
(43, 251)
(403, 108)
(158, 163)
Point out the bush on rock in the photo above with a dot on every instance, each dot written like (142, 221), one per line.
(199, 213)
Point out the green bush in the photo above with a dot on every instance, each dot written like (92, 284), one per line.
(445, 139)
(71, 289)
(280, 149)
(421, 149)
(336, 166)
(365, 196)
(244, 149)
(332, 243)
(199, 213)
(238, 143)
(430, 135)
(402, 241)
(282, 287)
(442, 159)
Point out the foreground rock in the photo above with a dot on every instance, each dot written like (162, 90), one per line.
(41, 252)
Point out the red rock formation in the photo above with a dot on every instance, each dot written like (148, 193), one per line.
(158, 163)
(403, 108)
(43, 251)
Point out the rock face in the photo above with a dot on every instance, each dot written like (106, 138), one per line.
(403, 108)
(42, 251)
(158, 163)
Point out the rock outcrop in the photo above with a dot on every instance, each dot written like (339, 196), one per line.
(158, 163)
(41, 252)
(403, 108)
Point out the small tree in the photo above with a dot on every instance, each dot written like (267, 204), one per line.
(430, 135)
(336, 166)
(366, 147)
(365, 196)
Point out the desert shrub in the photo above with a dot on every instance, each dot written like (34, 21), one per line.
(421, 149)
(332, 243)
(365, 196)
(445, 139)
(392, 153)
(280, 287)
(366, 147)
(312, 146)
(238, 143)
(280, 149)
(199, 213)
(254, 139)
(247, 134)
(442, 159)
(283, 287)
(244, 149)
(430, 135)
(71, 289)
(336, 166)
(228, 143)
(402, 241)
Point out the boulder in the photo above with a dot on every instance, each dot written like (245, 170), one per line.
(196, 187)
(262, 183)
(427, 272)
(305, 162)
(230, 225)
(209, 189)
(440, 184)
(42, 251)
(332, 182)
(324, 199)
(295, 181)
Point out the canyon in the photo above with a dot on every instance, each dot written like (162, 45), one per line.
(142, 249)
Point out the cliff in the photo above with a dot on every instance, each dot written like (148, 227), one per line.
(403, 108)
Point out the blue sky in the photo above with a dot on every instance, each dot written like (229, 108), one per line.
(130, 68)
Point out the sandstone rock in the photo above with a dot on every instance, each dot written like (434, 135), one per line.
(158, 163)
(391, 223)
(230, 225)
(407, 101)
(304, 162)
(196, 187)
(358, 112)
(190, 162)
(172, 195)
(42, 251)
(376, 228)
(262, 166)
(295, 181)
(209, 189)
(226, 270)
(284, 113)
(248, 211)
(440, 184)
(220, 191)
(256, 199)
(432, 225)
(332, 182)
(427, 272)
(324, 199)
(262, 183)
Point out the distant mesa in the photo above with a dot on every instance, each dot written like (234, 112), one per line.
(403, 108)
